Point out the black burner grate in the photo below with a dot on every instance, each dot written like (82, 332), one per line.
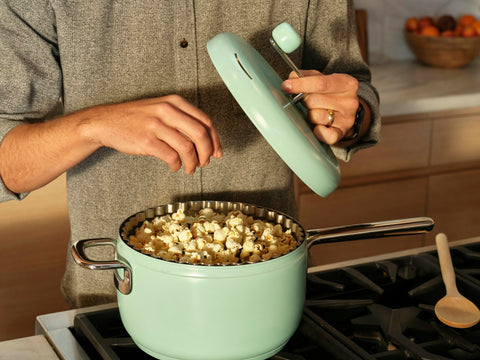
(389, 306)
(103, 337)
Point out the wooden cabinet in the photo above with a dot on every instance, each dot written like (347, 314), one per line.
(403, 146)
(456, 139)
(34, 235)
(425, 165)
(454, 203)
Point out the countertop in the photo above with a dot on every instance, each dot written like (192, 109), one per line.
(28, 348)
(408, 87)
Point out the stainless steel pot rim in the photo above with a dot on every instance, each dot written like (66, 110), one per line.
(258, 212)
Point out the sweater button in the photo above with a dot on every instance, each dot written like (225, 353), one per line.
(183, 43)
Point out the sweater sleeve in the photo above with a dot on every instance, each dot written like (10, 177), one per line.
(30, 75)
(331, 46)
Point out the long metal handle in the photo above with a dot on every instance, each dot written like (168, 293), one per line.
(378, 229)
(297, 98)
(78, 252)
(286, 58)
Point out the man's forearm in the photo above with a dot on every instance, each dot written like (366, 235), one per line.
(32, 155)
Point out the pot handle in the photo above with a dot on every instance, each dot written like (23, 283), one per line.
(379, 229)
(78, 252)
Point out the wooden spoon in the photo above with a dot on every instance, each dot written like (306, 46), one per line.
(453, 309)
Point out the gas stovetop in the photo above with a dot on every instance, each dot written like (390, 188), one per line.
(373, 308)
(102, 336)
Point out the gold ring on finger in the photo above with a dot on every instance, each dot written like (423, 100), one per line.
(331, 118)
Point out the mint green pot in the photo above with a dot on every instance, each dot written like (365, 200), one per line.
(184, 311)
(177, 311)
(180, 311)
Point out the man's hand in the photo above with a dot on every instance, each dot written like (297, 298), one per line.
(336, 93)
(169, 128)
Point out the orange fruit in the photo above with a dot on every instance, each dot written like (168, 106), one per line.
(430, 31)
(469, 31)
(466, 20)
(425, 21)
(447, 33)
(476, 26)
(458, 30)
(411, 25)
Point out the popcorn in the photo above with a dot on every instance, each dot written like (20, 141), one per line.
(207, 213)
(210, 238)
(219, 235)
(184, 235)
(232, 245)
(179, 216)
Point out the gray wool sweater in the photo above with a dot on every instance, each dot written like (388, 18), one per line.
(108, 51)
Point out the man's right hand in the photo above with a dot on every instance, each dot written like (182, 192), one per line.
(169, 128)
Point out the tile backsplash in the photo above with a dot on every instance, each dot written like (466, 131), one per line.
(386, 20)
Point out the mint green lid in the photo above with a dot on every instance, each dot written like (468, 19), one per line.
(256, 87)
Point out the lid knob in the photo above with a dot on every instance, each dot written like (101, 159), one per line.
(286, 37)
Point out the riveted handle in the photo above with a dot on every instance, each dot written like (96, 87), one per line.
(78, 252)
